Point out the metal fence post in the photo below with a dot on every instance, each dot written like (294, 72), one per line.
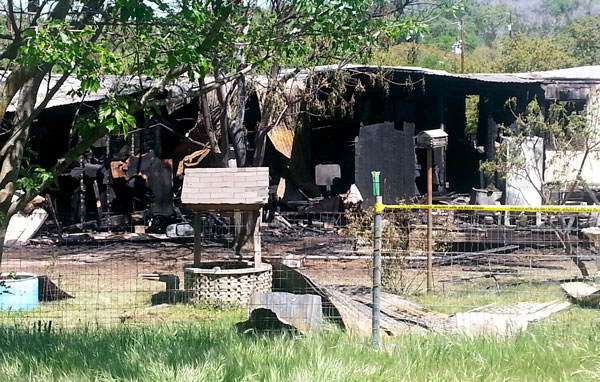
(429, 221)
(377, 231)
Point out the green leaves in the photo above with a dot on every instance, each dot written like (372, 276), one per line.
(582, 40)
(112, 114)
(306, 33)
(136, 10)
(55, 42)
(526, 54)
(32, 178)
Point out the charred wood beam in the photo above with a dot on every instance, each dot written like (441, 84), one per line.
(205, 117)
(487, 129)
(446, 260)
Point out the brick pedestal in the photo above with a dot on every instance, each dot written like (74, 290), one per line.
(220, 283)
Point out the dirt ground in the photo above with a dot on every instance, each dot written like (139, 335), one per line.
(105, 281)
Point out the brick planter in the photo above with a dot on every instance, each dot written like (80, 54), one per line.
(225, 282)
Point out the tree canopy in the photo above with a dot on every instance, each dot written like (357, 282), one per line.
(212, 43)
(505, 36)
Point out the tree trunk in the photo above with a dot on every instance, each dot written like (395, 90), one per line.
(11, 163)
(259, 147)
(246, 230)
(10, 172)
(204, 116)
(223, 121)
(266, 114)
(565, 238)
(570, 252)
(238, 135)
(3, 227)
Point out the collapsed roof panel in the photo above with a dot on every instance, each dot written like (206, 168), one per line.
(282, 137)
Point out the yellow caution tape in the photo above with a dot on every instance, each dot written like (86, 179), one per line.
(379, 207)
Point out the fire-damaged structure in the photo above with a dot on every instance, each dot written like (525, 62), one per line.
(386, 118)
(138, 176)
(379, 133)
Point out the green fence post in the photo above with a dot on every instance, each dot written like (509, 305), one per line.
(377, 231)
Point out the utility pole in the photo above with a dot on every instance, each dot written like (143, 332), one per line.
(462, 46)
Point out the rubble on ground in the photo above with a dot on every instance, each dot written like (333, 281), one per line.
(582, 294)
(350, 307)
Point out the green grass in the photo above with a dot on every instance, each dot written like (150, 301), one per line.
(470, 297)
(198, 343)
(567, 349)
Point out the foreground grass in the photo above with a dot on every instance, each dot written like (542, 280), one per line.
(471, 297)
(565, 350)
(204, 346)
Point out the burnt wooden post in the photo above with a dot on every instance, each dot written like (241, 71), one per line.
(256, 245)
(487, 128)
(429, 220)
(238, 221)
(197, 238)
(430, 140)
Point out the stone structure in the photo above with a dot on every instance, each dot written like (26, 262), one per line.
(226, 190)
(228, 286)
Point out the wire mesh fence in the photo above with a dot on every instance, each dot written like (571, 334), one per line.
(479, 258)
(477, 252)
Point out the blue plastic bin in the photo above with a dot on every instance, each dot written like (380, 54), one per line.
(19, 294)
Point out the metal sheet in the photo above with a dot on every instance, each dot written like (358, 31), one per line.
(22, 227)
(303, 311)
(282, 138)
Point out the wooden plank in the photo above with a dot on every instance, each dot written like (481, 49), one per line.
(256, 245)
(397, 308)
(197, 238)
(449, 259)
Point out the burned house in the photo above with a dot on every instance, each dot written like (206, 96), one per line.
(391, 105)
(124, 179)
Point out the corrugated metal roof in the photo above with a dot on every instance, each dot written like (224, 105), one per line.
(124, 85)
(581, 73)
(484, 77)
(578, 74)
(121, 85)
(502, 78)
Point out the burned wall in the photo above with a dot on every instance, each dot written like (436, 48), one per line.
(382, 147)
